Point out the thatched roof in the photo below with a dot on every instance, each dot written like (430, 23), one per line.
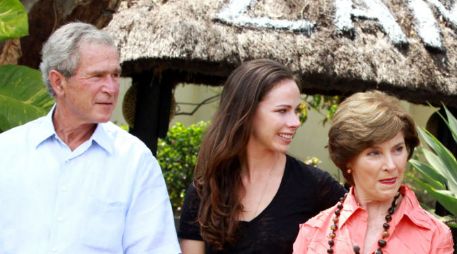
(202, 41)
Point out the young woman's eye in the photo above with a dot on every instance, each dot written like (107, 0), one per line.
(282, 110)
(373, 153)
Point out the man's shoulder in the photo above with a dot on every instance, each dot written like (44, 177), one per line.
(122, 137)
(19, 132)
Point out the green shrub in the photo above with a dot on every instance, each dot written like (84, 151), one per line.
(177, 155)
(436, 173)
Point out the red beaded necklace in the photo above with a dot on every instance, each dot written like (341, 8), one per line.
(381, 243)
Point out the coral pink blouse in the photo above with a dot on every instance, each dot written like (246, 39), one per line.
(412, 230)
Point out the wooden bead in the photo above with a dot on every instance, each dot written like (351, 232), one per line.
(356, 249)
(382, 243)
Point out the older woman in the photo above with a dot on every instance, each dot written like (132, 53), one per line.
(370, 141)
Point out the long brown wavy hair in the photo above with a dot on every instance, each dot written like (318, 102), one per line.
(223, 150)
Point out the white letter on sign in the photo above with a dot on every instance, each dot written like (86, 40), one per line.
(426, 25)
(235, 14)
(449, 15)
(375, 10)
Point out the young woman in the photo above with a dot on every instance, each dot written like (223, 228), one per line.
(371, 140)
(248, 195)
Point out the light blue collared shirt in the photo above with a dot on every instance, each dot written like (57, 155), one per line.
(106, 196)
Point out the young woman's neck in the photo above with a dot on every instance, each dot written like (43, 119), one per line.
(259, 163)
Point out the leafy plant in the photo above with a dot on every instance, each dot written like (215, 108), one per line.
(13, 20)
(177, 155)
(437, 173)
(323, 104)
(23, 96)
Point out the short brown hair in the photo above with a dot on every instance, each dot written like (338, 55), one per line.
(365, 119)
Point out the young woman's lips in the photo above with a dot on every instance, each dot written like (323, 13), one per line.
(286, 137)
(389, 180)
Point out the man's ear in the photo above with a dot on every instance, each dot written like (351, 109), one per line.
(57, 81)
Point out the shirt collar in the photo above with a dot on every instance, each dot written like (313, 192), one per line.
(409, 208)
(45, 130)
(350, 207)
(102, 136)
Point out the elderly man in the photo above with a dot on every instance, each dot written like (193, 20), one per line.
(72, 182)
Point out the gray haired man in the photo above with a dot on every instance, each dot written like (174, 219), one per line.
(71, 181)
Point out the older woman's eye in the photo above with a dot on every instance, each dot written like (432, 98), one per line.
(399, 149)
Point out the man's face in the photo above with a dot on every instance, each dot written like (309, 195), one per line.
(90, 95)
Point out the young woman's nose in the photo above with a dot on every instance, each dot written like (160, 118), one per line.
(294, 121)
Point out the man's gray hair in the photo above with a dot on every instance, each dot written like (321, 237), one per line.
(61, 50)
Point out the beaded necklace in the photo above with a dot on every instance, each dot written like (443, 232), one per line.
(381, 243)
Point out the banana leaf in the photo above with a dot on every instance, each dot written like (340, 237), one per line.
(23, 96)
(13, 20)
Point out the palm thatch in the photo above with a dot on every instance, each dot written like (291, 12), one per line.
(190, 38)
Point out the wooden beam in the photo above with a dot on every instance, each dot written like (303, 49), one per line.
(152, 112)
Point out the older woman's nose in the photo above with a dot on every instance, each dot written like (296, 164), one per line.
(389, 162)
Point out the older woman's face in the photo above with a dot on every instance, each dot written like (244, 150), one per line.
(378, 170)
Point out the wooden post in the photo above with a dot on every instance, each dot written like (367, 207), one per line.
(152, 112)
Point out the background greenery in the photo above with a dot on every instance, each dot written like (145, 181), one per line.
(177, 155)
(436, 170)
(23, 95)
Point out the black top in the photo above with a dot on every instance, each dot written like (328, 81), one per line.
(304, 192)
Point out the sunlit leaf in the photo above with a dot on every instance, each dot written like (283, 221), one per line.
(13, 20)
(451, 123)
(23, 96)
(430, 175)
(442, 161)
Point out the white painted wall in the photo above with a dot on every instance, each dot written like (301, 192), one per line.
(309, 141)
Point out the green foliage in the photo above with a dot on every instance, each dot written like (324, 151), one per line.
(13, 20)
(177, 155)
(312, 161)
(437, 173)
(323, 104)
(22, 96)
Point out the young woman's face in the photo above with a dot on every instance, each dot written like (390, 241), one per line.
(276, 118)
(378, 170)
